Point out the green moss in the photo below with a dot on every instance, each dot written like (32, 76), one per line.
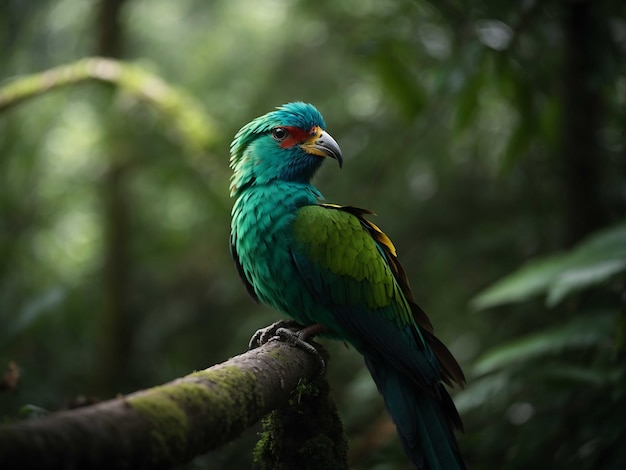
(234, 383)
(197, 411)
(304, 390)
(278, 354)
(168, 421)
(306, 434)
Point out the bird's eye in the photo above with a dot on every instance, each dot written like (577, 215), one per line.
(279, 133)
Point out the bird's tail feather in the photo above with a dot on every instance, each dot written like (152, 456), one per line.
(423, 422)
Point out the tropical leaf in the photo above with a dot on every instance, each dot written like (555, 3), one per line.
(593, 261)
(580, 375)
(481, 391)
(527, 282)
(581, 332)
(579, 278)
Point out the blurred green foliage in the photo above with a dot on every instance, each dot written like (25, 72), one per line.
(565, 380)
(486, 135)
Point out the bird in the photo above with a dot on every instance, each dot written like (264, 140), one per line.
(334, 272)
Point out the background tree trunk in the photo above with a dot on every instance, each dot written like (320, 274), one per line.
(581, 155)
(115, 334)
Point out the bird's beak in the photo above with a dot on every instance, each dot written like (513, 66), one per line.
(322, 144)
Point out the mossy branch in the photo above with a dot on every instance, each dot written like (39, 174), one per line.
(165, 425)
(196, 129)
(306, 434)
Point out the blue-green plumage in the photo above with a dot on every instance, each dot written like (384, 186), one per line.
(326, 264)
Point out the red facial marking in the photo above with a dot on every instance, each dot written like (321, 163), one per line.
(296, 136)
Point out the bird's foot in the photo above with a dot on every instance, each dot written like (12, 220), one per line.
(263, 335)
(299, 338)
(291, 332)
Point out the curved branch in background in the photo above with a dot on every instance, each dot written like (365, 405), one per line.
(166, 425)
(196, 130)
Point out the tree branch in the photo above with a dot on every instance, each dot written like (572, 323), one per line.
(165, 425)
(197, 130)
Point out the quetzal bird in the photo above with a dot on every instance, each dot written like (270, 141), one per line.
(328, 266)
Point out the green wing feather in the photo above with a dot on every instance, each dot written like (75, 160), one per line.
(351, 268)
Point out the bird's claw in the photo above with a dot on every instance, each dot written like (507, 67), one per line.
(298, 339)
(263, 335)
(290, 332)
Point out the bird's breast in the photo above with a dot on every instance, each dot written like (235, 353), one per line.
(262, 234)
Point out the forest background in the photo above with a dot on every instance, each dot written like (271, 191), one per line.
(488, 136)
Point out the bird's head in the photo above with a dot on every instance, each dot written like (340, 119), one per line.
(287, 144)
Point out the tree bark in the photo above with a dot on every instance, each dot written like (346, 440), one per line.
(581, 154)
(109, 41)
(165, 425)
(114, 338)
